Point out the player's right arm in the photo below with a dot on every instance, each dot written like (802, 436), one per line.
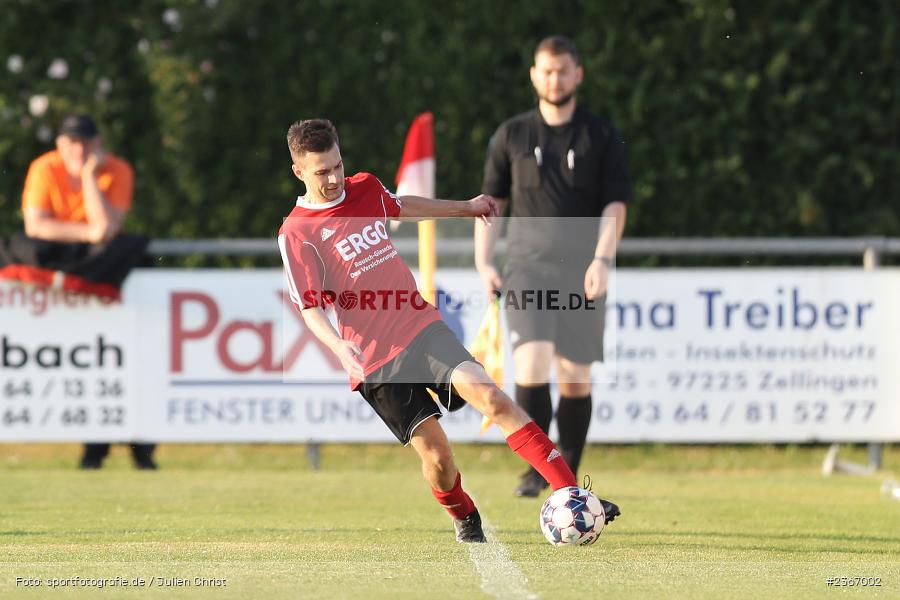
(349, 353)
(304, 275)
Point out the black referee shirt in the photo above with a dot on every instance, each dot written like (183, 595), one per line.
(571, 172)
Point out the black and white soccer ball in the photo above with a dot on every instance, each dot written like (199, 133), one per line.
(572, 516)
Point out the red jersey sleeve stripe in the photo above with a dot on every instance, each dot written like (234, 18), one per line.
(291, 282)
(393, 212)
(301, 272)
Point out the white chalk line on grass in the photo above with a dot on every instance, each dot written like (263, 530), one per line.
(500, 577)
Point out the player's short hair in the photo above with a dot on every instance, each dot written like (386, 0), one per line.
(556, 45)
(311, 135)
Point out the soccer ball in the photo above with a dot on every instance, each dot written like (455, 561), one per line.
(572, 516)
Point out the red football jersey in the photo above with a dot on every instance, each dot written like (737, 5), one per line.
(340, 254)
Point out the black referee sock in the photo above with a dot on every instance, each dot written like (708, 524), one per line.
(535, 400)
(573, 417)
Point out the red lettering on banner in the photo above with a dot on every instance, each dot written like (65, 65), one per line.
(305, 337)
(262, 330)
(178, 335)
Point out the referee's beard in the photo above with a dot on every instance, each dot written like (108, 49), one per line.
(559, 101)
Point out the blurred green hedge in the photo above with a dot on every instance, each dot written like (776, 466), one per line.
(741, 118)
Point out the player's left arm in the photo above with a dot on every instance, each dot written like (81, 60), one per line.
(612, 225)
(417, 208)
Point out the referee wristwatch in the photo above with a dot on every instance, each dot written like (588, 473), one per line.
(607, 261)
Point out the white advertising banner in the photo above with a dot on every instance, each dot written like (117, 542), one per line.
(752, 355)
(67, 366)
(693, 355)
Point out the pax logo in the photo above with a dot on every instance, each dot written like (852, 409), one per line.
(353, 244)
(212, 328)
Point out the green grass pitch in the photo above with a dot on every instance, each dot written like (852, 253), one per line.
(698, 522)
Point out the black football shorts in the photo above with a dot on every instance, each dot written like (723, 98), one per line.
(398, 390)
(547, 303)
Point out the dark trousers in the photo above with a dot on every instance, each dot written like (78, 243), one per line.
(109, 262)
(95, 453)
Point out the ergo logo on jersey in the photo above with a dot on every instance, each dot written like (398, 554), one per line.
(371, 235)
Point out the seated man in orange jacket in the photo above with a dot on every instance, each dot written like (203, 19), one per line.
(81, 193)
(78, 192)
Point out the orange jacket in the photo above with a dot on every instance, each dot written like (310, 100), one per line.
(48, 187)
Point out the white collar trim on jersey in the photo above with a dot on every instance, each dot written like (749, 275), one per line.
(301, 201)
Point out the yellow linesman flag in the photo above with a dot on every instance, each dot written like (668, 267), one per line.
(488, 349)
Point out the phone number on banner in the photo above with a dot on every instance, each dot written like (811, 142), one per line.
(801, 412)
(62, 401)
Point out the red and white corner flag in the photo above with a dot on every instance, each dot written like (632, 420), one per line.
(415, 177)
(416, 173)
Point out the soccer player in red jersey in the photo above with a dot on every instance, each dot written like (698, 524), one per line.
(393, 345)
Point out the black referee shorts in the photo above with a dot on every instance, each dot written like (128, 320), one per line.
(574, 326)
(398, 391)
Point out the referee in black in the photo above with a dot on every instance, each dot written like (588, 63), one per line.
(558, 169)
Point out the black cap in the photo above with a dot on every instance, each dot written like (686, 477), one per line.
(78, 126)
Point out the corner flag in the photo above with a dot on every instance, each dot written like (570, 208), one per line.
(488, 349)
(416, 173)
(416, 177)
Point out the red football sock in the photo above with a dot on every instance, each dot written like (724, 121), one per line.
(456, 501)
(535, 447)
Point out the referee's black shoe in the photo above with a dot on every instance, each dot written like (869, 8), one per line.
(469, 529)
(531, 485)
